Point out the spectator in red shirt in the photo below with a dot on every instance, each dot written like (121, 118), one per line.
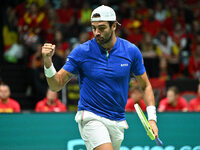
(194, 104)
(179, 36)
(194, 63)
(135, 97)
(173, 102)
(174, 17)
(66, 17)
(151, 25)
(7, 104)
(33, 24)
(50, 103)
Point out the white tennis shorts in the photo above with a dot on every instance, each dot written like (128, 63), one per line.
(96, 130)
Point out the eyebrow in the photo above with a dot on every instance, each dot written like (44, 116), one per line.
(99, 25)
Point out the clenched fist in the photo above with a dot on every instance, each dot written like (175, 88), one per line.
(48, 50)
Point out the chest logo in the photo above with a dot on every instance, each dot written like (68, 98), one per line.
(124, 65)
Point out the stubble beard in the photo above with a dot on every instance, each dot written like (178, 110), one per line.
(105, 41)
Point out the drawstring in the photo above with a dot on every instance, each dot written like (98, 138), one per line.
(107, 53)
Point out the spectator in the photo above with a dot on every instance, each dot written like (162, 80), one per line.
(169, 53)
(62, 47)
(178, 35)
(83, 37)
(194, 63)
(151, 59)
(173, 18)
(135, 97)
(66, 17)
(52, 24)
(37, 78)
(160, 13)
(194, 104)
(7, 104)
(151, 25)
(173, 102)
(50, 103)
(84, 14)
(135, 35)
(13, 50)
(10, 35)
(33, 24)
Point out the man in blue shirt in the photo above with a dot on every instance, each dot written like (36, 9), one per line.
(104, 64)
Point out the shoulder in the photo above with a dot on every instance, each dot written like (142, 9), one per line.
(163, 101)
(81, 49)
(12, 101)
(84, 46)
(130, 101)
(128, 45)
(193, 101)
(41, 102)
(130, 49)
(183, 100)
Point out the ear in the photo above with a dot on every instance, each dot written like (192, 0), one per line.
(114, 26)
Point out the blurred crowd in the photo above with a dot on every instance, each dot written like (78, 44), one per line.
(174, 101)
(166, 31)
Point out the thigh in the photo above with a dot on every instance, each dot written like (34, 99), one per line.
(117, 136)
(106, 146)
(94, 133)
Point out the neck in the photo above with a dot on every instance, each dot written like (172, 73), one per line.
(50, 103)
(109, 45)
(174, 103)
(4, 101)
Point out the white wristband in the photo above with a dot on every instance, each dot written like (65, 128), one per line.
(49, 72)
(151, 112)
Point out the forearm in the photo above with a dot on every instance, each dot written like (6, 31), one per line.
(55, 83)
(149, 95)
(147, 89)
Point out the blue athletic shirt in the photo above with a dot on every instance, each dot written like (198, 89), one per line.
(104, 79)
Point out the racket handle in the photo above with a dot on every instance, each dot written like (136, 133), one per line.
(158, 142)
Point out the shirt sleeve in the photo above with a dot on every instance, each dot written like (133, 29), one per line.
(138, 63)
(73, 60)
(129, 105)
(184, 104)
(191, 105)
(17, 107)
(162, 105)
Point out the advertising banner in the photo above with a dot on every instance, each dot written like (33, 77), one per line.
(51, 131)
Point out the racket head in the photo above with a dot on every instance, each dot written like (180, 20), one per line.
(144, 121)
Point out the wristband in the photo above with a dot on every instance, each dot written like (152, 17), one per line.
(49, 72)
(151, 112)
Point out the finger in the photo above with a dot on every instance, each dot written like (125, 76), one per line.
(53, 46)
(47, 49)
(47, 44)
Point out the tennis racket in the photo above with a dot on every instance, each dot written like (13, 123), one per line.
(146, 125)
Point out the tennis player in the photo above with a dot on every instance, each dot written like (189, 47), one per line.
(104, 65)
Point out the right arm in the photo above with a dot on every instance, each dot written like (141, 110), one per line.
(60, 78)
(57, 82)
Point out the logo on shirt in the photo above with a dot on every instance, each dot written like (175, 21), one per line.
(67, 59)
(124, 65)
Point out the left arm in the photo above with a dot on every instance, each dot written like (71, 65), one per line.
(146, 87)
(148, 99)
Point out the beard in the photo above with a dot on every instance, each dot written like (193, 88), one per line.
(102, 41)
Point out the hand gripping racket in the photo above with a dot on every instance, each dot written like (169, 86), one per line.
(146, 125)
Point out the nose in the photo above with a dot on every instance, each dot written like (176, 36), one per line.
(97, 32)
